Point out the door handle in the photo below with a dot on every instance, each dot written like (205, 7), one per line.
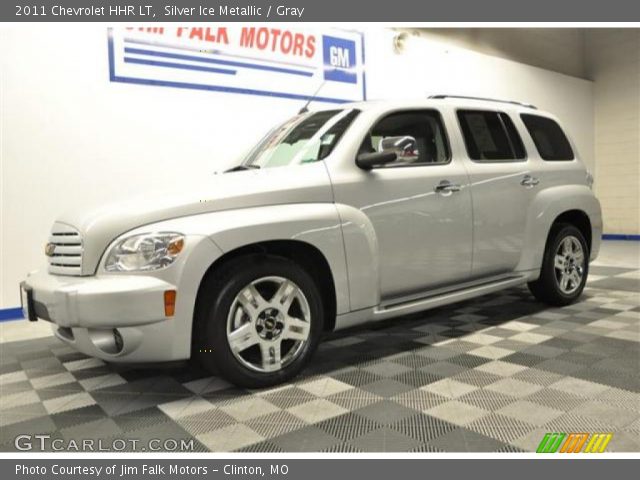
(445, 186)
(529, 181)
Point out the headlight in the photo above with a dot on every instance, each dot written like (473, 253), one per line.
(144, 252)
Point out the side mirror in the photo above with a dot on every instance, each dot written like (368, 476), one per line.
(367, 161)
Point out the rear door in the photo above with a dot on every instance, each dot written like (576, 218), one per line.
(502, 186)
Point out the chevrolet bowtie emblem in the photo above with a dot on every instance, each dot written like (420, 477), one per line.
(49, 249)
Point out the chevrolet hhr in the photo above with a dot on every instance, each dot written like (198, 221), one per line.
(356, 213)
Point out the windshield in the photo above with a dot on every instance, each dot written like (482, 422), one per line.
(305, 138)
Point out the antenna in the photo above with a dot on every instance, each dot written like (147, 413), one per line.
(305, 109)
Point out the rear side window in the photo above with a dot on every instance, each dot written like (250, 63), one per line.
(490, 136)
(550, 140)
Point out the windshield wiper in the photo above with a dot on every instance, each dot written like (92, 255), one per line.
(241, 167)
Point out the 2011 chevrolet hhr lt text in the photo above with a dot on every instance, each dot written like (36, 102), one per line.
(361, 212)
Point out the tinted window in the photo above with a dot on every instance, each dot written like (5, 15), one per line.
(425, 126)
(550, 140)
(490, 136)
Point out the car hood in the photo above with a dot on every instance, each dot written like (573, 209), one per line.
(99, 226)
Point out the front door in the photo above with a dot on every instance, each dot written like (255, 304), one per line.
(419, 206)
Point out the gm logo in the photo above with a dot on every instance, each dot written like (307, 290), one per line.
(339, 58)
(574, 442)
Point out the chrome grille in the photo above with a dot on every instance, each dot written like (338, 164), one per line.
(66, 258)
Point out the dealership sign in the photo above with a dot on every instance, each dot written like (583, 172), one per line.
(254, 60)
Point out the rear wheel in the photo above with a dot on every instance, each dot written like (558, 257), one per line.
(565, 267)
(260, 321)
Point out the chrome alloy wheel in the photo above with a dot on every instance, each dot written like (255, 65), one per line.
(569, 265)
(268, 324)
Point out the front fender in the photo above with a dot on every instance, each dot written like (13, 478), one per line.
(317, 224)
(545, 208)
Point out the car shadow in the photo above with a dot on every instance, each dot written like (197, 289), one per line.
(373, 342)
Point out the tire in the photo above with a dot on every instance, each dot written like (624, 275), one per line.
(253, 308)
(569, 267)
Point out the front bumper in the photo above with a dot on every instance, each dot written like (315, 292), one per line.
(112, 317)
(100, 301)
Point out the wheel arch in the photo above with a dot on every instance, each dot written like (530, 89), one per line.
(579, 219)
(303, 253)
(575, 217)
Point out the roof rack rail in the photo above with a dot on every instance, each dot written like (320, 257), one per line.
(513, 102)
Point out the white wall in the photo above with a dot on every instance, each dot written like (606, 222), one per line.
(614, 60)
(557, 49)
(69, 136)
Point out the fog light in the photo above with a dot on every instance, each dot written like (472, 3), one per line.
(169, 303)
(107, 340)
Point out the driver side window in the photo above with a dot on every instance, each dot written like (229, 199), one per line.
(423, 126)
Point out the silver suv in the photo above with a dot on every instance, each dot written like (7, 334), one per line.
(361, 212)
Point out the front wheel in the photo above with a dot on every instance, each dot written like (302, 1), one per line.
(565, 267)
(260, 321)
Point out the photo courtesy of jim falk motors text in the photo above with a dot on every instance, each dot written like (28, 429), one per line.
(131, 471)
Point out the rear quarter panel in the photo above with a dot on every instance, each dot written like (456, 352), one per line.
(548, 205)
(563, 187)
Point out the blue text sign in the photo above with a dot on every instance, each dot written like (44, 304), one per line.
(253, 60)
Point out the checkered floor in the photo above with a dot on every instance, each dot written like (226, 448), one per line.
(492, 374)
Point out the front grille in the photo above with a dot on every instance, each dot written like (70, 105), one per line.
(66, 258)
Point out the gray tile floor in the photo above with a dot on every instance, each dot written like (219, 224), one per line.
(492, 374)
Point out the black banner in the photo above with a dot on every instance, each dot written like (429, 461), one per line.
(314, 469)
